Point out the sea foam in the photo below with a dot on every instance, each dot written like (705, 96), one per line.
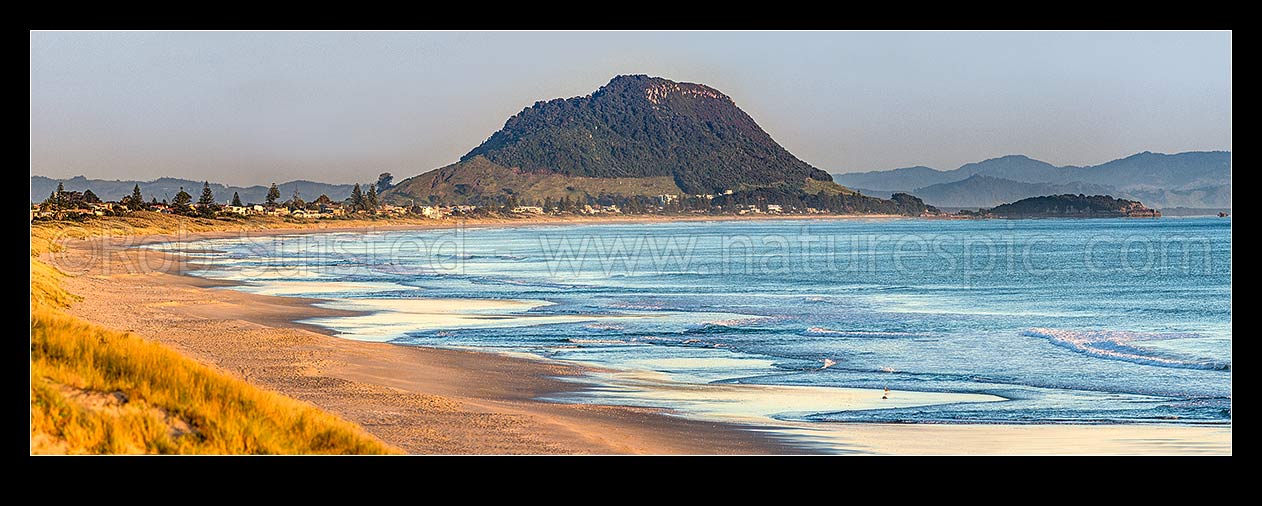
(824, 331)
(1115, 345)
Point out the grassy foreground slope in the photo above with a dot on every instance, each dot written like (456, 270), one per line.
(96, 390)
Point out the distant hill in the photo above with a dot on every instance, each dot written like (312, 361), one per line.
(1073, 206)
(1017, 168)
(986, 191)
(1216, 196)
(893, 180)
(636, 134)
(1192, 179)
(167, 187)
(1147, 170)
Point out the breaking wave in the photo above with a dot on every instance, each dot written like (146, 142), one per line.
(1115, 345)
(824, 331)
(596, 341)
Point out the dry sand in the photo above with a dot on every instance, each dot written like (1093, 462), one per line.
(459, 402)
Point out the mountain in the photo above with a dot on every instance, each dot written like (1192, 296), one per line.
(1017, 168)
(1074, 206)
(1147, 170)
(635, 134)
(889, 181)
(986, 191)
(167, 187)
(1193, 179)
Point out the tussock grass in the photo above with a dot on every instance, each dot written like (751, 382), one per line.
(96, 390)
(46, 290)
(163, 389)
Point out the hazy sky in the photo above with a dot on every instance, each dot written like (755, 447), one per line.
(249, 108)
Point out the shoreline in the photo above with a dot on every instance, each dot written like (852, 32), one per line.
(422, 400)
(493, 386)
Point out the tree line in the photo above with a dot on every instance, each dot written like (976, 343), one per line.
(789, 199)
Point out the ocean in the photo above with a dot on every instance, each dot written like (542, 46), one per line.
(806, 321)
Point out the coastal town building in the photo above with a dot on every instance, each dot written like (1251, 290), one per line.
(599, 209)
(391, 210)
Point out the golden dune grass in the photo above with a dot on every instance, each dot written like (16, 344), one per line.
(172, 404)
(95, 390)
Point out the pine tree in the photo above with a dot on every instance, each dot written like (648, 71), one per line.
(236, 200)
(273, 193)
(137, 201)
(182, 199)
(370, 200)
(90, 197)
(59, 197)
(357, 198)
(208, 197)
(296, 202)
(384, 181)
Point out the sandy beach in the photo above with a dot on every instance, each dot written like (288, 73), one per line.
(444, 401)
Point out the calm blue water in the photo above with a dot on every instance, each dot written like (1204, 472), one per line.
(1078, 321)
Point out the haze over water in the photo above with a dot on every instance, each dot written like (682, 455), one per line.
(1036, 321)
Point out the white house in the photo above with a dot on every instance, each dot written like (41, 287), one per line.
(432, 212)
